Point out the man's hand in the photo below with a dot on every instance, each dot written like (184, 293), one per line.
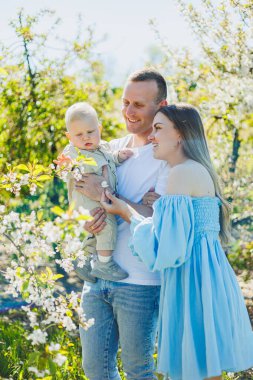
(97, 224)
(90, 186)
(150, 197)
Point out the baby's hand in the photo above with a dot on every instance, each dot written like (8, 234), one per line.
(63, 160)
(124, 154)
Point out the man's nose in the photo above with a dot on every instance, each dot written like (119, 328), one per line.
(129, 110)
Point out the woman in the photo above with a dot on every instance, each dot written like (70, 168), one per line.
(204, 327)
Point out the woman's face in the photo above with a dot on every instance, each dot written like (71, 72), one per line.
(165, 138)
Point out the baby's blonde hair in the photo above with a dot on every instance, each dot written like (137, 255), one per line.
(80, 111)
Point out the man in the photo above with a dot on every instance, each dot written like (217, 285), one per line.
(126, 311)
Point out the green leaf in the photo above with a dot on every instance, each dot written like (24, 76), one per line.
(24, 286)
(39, 169)
(49, 272)
(84, 217)
(3, 72)
(57, 210)
(52, 366)
(40, 214)
(42, 363)
(39, 185)
(22, 167)
(44, 177)
(25, 295)
(57, 276)
(86, 160)
(33, 358)
(5, 186)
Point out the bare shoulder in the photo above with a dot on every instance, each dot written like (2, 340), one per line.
(190, 178)
(195, 168)
(178, 180)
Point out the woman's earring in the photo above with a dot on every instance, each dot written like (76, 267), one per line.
(179, 142)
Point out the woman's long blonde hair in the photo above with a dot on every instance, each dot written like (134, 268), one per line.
(187, 122)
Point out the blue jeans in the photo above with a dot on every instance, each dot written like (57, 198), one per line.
(124, 313)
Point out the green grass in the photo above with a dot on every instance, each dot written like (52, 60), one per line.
(15, 352)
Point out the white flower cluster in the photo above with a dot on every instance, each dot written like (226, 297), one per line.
(38, 337)
(14, 181)
(77, 174)
(27, 236)
(76, 167)
(30, 274)
(60, 359)
(39, 374)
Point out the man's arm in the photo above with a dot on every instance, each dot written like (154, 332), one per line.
(91, 187)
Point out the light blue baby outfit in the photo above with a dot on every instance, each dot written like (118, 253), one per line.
(203, 325)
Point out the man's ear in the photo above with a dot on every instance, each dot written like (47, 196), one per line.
(67, 135)
(163, 103)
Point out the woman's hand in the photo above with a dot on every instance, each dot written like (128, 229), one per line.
(116, 206)
(150, 197)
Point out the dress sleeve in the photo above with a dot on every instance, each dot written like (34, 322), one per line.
(166, 239)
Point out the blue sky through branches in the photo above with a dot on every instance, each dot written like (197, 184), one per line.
(122, 28)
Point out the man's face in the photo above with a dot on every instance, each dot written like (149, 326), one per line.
(139, 106)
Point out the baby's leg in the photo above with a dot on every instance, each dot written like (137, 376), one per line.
(104, 255)
(105, 267)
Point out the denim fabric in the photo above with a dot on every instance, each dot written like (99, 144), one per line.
(125, 314)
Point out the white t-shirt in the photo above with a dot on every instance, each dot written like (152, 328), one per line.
(135, 177)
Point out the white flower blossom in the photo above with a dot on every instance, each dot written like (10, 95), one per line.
(54, 347)
(37, 337)
(33, 188)
(66, 264)
(76, 174)
(60, 359)
(64, 175)
(24, 179)
(38, 373)
(53, 233)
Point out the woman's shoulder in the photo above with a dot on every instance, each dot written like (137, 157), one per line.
(190, 178)
(178, 180)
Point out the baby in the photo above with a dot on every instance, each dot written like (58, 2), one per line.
(84, 135)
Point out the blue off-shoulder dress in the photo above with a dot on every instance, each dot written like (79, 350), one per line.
(203, 326)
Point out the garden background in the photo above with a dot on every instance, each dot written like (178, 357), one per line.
(39, 234)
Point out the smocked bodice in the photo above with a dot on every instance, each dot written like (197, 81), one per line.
(205, 211)
(206, 214)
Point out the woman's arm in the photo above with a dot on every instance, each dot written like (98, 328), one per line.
(117, 206)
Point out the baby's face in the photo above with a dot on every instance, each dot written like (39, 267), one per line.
(84, 134)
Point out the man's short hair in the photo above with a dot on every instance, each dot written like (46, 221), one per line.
(151, 75)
